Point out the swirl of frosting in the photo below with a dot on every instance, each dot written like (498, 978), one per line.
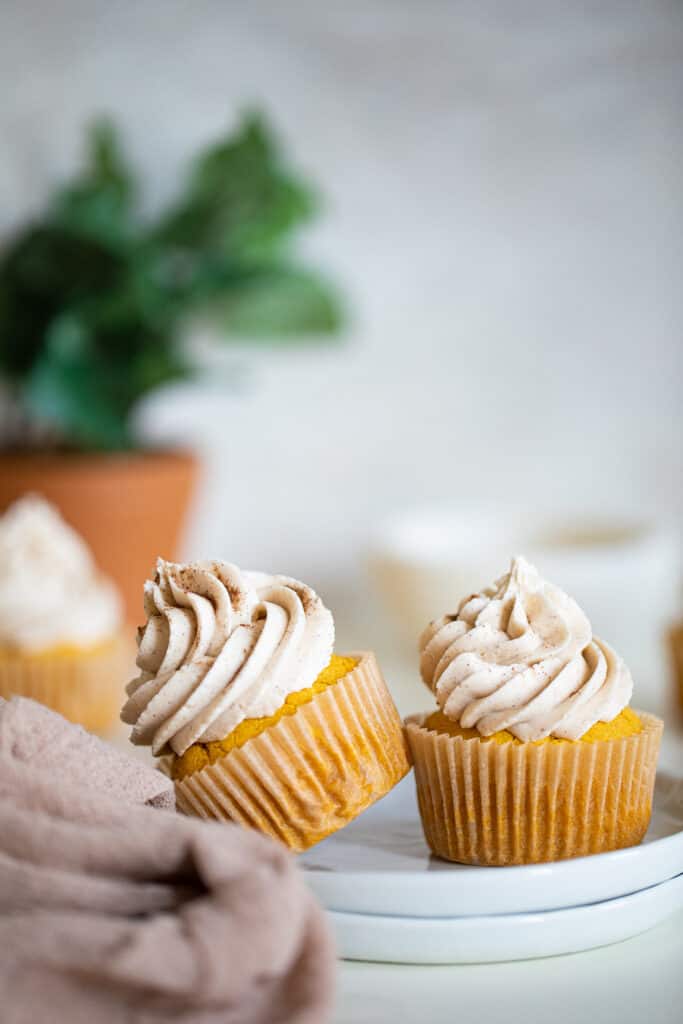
(221, 645)
(521, 656)
(51, 592)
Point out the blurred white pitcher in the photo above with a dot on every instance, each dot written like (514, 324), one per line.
(622, 569)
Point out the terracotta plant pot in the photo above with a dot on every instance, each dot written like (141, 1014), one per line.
(129, 507)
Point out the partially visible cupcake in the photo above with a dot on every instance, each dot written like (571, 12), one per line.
(61, 637)
(264, 724)
(534, 754)
(675, 643)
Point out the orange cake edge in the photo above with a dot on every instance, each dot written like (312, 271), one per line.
(626, 723)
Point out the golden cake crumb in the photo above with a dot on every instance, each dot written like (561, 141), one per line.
(200, 754)
(626, 723)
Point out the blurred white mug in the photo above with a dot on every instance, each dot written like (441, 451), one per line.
(622, 569)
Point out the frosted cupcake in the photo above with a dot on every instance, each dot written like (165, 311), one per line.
(534, 753)
(264, 724)
(61, 639)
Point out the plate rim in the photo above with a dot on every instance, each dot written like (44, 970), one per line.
(533, 916)
(656, 862)
(645, 909)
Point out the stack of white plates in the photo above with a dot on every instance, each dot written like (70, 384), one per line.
(389, 900)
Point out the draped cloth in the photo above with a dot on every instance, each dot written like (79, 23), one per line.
(113, 908)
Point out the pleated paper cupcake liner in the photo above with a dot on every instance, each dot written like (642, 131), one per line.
(86, 686)
(313, 771)
(495, 804)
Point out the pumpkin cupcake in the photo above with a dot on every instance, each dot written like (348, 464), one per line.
(61, 638)
(534, 754)
(264, 725)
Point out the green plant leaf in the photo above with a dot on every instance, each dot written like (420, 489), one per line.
(86, 384)
(282, 302)
(65, 389)
(239, 198)
(44, 270)
(98, 204)
(92, 298)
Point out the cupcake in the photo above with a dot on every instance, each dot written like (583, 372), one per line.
(61, 639)
(263, 723)
(534, 753)
(675, 640)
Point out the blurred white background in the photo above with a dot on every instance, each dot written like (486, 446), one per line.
(504, 190)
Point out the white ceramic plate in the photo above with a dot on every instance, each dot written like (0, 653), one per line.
(380, 864)
(471, 940)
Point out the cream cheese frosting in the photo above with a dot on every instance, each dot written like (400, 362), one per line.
(521, 656)
(51, 592)
(221, 645)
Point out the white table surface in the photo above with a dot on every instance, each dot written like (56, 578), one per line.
(632, 982)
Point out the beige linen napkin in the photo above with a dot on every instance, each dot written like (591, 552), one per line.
(115, 909)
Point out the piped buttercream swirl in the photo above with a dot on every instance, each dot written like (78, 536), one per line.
(221, 645)
(51, 591)
(521, 656)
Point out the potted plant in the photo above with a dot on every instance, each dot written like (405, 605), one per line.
(94, 306)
